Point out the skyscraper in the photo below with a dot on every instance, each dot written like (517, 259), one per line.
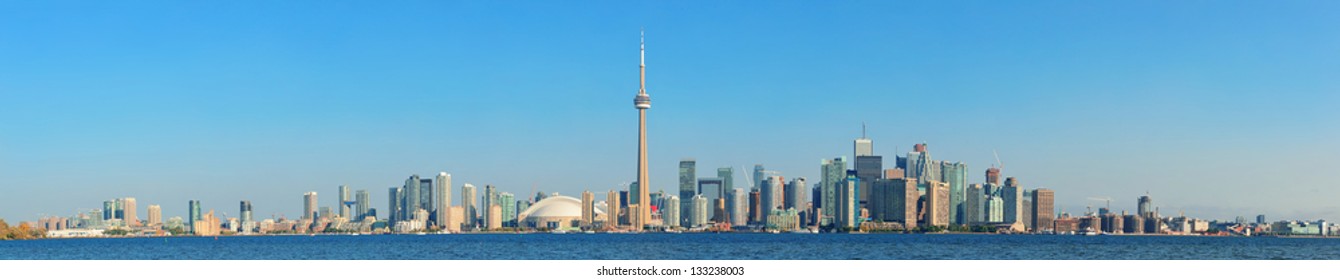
(411, 196)
(442, 200)
(155, 216)
(1012, 197)
(868, 168)
(469, 209)
(130, 218)
(700, 211)
(995, 209)
(343, 196)
(772, 192)
(1044, 209)
(862, 146)
(244, 209)
(738, 203)
(919, 164)
(1146, 207)
(937, 203)
(508, 202)
(956, 175)
(898, 200)
(642, 102)
(993, 176)
(361, 204)
(612, 209)
(108, 210)
(848, 211)
(687, 174)
(588, 208)
(395, 197)
(974, 204)
(194, 214)
(670, 215)
(832, 172)
(309, 205)
(795, 195)
(487, 201)
(426, 194)
(727, 178)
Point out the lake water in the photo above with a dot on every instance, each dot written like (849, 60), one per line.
(675, 246)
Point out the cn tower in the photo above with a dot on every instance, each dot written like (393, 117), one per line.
(642, 102)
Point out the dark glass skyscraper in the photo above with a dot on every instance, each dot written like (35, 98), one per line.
(687, 189)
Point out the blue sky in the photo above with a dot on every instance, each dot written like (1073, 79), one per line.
(1216, 108)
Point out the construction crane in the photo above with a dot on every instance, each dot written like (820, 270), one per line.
(998, 163)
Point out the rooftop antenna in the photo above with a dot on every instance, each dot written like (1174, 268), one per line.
(863, 130)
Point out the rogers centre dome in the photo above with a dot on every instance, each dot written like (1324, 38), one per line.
(556, 212)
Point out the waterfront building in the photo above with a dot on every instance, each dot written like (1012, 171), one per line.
(128, 212)
(426, 195)
(244, 209)
(1012, 195)
(670, 214)
(193, 214)
(395, 198)
(1153, 225)
(687, 173)
(362, 203)
(937, 203)
(956, 175)
(1044, 209)
(556, 212)
(509, 213)
(897, 201)
(455, 214)
(995, 210)
(848, 211)
(833, 171)
(469, 208)
(494, 218)
(442, 200)
(1145, 206)
(755, 198)
(612, 209)
(1260, 219)
(155, 216)
(795, 195)
(1112, 223)
(589, 209)
(488, 200)
(783, 220)
(699, 212)
(207, 225)
(868, 169)
(411, 193)
(737, 203)
(109, 210)
(771, 193)
(1026, 209)
(343, 193)
(974, 204)
(1133, 224)
(309, 205)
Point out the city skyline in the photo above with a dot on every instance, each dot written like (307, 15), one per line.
(266, 115)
